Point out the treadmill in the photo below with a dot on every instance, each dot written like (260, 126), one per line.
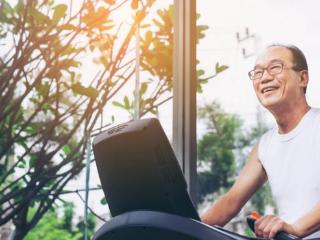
(145, 188)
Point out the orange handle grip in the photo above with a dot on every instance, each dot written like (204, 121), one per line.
(255, 215)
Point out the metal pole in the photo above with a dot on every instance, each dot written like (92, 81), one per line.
(137, 74)
(88, 153)
(184, 91)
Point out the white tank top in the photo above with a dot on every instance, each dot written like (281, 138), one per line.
(292, 164)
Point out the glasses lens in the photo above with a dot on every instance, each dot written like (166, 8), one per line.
(255, 73)
(275, 68)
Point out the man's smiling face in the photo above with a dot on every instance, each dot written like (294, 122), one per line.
(277, 90)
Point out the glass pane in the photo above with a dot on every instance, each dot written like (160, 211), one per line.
(70, 69)
(235, 33)
(145, 63)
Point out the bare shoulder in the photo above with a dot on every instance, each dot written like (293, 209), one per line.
(253, 169)
(253, 158)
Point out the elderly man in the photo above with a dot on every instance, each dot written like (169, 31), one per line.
(288, 156)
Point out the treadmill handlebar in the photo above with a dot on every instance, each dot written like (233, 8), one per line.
(138, 221)
(279, 236)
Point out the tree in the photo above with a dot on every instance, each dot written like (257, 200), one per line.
(52, 226)
(49, 228)
(218, 151)
(216, 157)
(263, 197)
(91, 224)
(47, 109)
(157, 63)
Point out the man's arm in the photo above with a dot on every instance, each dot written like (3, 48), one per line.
(250, 179)
(309, 223)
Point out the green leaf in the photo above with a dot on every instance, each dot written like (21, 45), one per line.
(200, 73)
(85, 91)
(66, 149)
(68, 50)
(202, 27)
(103, 201)
(23, 144)
(158, 24)
(148, 37)
(145, 26)
(39, 16)
(126, 102)
(154, 62)
(33, 160)
(22, 164)
(59, 12)
(43, 89)
(221, 68)
(117, 104)
(154, 111)
(171, 11)
(6, 8)
(199, 84)
(32, 128)
(202, 81)
(104, 61)
(66, 26)
(19, 7)
(71, 63)
(46, 107)
(143, 89)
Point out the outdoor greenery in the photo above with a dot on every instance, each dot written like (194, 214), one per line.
(263, 197)
(53, 227)
(216, 158)
(222, 153)
(156, 60)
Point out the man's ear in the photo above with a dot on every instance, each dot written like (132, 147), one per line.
(304, 78)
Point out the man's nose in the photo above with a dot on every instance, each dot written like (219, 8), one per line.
(266, 76)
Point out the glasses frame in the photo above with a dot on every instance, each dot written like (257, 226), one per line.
(269, 70)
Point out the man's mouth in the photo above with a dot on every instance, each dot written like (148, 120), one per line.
(268, 89)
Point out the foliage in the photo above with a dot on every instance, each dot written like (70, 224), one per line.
(52, 226)
(68, 216)
(218, 150)
(263, 197)
(47, 108)
(90, 227)
(216, 159)
(49, 228)
(156, 61)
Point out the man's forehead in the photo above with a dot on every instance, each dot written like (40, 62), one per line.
(272, 61)
(274, 54)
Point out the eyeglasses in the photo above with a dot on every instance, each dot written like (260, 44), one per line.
(273, 69)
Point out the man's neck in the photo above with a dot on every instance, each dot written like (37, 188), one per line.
(289, 117)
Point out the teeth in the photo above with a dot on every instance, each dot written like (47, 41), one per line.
(268, 89)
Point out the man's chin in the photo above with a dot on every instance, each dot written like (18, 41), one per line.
(269, 102)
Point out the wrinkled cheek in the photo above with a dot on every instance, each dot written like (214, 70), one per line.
(255, 87)
(261, 99)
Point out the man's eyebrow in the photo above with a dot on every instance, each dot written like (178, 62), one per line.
(276, 60)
